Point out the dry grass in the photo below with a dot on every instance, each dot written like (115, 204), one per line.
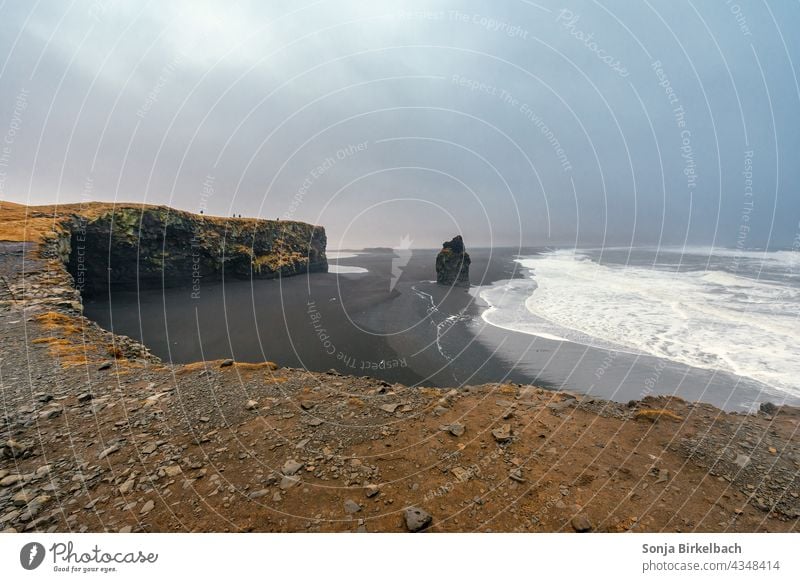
(51, 341)
(20, 223)
(54, 320)
(507, 389)
(272, 366)
(656, 414)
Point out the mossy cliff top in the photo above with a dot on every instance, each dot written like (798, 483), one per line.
(116, 244)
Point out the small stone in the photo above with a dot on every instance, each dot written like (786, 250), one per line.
(581, 524)
(109, 451)
(173, 470)
(147, 507)
(149, 448)
(251, 405)
(288, 482)
(417, 519)
(258, 494)
(663, 476)
(516, 475)
(371, 490)
(105, 365)
(226, 363)
(773, 450)
(85, 397)
(276, 497)
(460, 473)
(306, 404)
(14, 449)
(390, 408)
(127, 487)
(440, 410)
(742, 460)
(351, 507)
(456, 429)
(291, 467)
(10, 480)
(50, 413)
(125, 529)
(502, 434)
(20, 499)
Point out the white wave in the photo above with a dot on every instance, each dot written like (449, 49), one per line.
(345, 270)
(336, 255)
(707, 319)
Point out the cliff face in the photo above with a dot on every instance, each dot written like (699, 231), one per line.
(163, 246)
(452, 263)
(122, 245)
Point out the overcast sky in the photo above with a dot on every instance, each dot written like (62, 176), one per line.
(510, 122)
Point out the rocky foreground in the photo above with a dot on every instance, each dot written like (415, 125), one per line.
(98, 435)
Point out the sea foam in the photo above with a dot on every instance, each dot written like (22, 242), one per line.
(712, 319)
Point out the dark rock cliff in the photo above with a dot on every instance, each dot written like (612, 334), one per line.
(130, 246)
(452, 263)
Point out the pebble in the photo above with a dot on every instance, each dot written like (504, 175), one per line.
(127, 487)
(251, 405)
(10, 480)
(226, 363)
(288, 482)
(147, 507)
(371, 490)
(109, 451)
(516, 475)
(456, 429)
(351, 507)
(390, 408)
(50, 413)
(581, 524)
(21, 499)
(502, 433)
(291, 467)
(173, 470)
(417, 519)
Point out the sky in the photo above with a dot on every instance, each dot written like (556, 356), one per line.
(512, 123)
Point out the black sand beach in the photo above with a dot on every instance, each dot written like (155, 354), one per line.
(406, 330)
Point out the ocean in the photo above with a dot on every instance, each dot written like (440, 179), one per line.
(717, 326)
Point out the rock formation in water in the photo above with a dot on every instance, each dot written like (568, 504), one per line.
(138, 246)
(452, 263)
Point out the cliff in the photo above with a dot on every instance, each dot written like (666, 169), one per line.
(122, 244)
(452, 263)
(158, 447)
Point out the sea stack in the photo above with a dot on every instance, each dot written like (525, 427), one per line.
(452, 264)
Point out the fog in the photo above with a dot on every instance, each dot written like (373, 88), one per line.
(515, 123)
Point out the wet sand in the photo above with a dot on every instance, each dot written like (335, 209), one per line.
(402, 328)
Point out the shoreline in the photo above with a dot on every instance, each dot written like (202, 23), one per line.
(223, 440)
